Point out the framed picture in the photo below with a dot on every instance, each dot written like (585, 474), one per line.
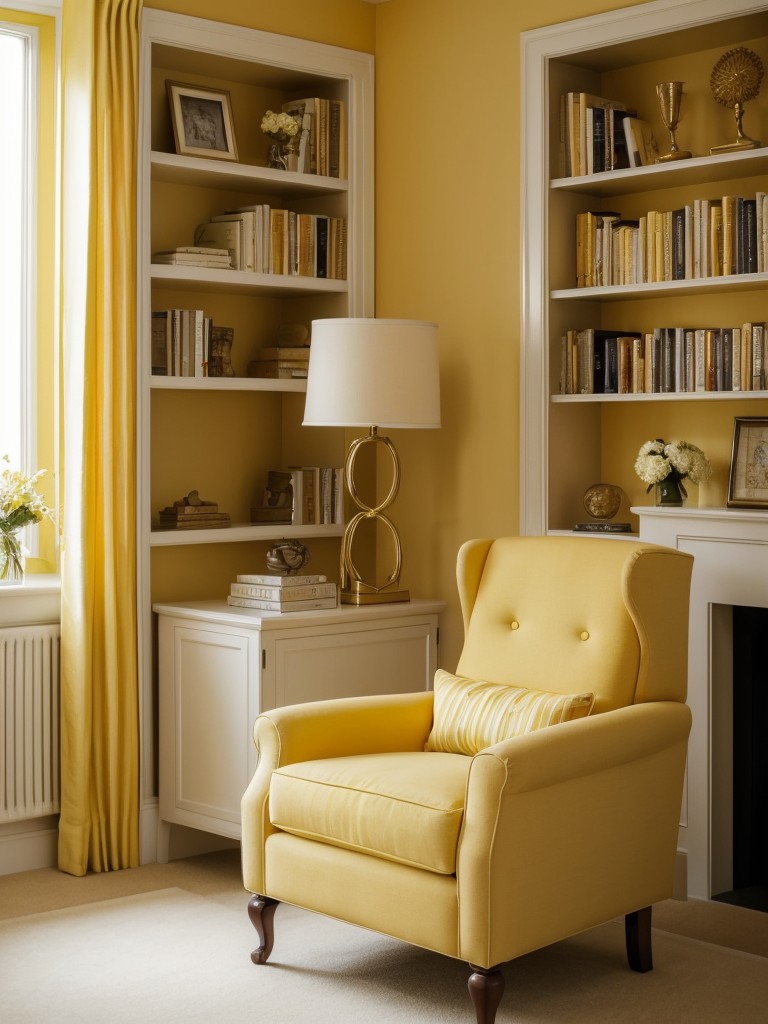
(202, 121)
(748, 478)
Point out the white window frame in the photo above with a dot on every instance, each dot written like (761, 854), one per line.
(28, 311)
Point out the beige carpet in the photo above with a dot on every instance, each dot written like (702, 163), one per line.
(173, 955)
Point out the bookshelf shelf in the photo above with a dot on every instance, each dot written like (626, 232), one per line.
(675, 396)
(187, 170)
(239, 533)
(696, 171)
(205, 279)
(226, 384)
(660, 289)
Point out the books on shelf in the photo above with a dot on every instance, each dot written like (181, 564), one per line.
(270, 240)
(180, 343)
(592, 136)
(666, 360)
(318, 495)
(302, 496)
(323, 135)
(704, 238)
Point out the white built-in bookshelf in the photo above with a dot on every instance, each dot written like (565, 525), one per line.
(566, 439)
(221, 435)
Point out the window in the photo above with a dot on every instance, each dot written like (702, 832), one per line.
(18, 191)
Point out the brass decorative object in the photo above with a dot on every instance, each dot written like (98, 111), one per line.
(670, 95)
(602, 502)
(736, 78)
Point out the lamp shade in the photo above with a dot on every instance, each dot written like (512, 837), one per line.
(373, 372)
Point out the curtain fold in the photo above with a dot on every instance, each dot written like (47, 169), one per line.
(99, 823)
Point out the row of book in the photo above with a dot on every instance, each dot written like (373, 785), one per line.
(666, 360)
(322, 135)
(267, 240)
(302, 496)
(598, 134)
(282, 593)
(186, 343)
(705, 238)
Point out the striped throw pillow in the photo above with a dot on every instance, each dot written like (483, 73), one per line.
(471, 714)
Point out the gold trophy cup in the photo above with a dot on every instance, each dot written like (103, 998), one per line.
(670, 96)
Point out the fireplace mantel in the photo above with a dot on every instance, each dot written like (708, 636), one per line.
(730, 548)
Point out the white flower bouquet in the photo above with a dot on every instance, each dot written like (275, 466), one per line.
(20, 505)
(280, 127)
(657, 460)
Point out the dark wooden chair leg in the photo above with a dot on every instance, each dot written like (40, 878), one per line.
(486, 987)
(637, 927)
(261, 910)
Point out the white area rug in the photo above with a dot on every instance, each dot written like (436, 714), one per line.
(171, 956)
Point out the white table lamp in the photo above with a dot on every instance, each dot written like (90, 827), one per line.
(372, 373)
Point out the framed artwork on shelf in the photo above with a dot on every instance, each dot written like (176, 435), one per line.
(748, 477)
(202, 121)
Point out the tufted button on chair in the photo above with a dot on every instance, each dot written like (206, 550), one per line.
(533, 795)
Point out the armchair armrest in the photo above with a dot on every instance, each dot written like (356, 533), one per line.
(570, 826)
(331, 728)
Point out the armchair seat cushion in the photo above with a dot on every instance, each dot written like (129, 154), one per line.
(403, 807)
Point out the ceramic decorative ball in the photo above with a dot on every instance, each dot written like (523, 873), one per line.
(602, 501)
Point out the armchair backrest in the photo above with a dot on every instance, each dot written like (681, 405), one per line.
(577, 614)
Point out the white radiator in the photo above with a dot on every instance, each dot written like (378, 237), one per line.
(29, 722)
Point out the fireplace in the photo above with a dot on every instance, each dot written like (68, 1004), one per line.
(723, 839)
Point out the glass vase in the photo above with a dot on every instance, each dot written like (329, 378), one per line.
(11, 559)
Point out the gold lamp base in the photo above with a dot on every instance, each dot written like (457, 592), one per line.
(360, 593)
(354, 589)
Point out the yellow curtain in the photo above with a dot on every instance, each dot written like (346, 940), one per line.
(99, 824)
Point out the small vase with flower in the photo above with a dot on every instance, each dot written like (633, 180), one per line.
(665, 466)
(20, 505)
(283, 129)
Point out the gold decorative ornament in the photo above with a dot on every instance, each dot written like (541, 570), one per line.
(602, 501)
(670, 96)
(736, 78)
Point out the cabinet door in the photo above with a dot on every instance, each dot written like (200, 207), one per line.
(354, 663)
(208, 703)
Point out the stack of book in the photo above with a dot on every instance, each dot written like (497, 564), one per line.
(194, 256)
(194, 514)
(282, 363)
(283, 593)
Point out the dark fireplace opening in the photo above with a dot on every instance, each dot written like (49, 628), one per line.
(750, 760)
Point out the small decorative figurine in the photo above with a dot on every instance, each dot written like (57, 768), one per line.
(287, 557)
(736, 78)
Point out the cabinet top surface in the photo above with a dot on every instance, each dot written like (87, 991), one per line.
(222, 613)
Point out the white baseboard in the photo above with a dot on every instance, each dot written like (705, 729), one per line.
(27, 845)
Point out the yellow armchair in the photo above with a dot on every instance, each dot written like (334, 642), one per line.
(488, 855)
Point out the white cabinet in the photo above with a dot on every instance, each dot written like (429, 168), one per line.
(219, 667)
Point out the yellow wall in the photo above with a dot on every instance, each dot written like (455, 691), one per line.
(448, 145)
